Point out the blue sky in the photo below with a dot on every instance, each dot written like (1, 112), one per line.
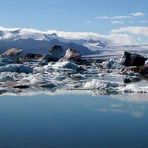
(73, 15)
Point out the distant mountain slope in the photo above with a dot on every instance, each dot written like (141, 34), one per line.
(36, 41)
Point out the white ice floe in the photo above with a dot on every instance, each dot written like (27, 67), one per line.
(36, 79)
(66, 75)
(19, 68)
(133, 88)
(146, 62)
(115, 86)
(6, 77)
(65, 65)
(112, 64)
(101, 84)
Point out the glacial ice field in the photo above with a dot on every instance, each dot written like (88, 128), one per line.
(32, 78)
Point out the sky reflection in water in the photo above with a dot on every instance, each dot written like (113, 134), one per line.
(71, 121)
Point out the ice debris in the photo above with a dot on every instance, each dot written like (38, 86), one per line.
(111, 64)
(19, 68)
(101, 84)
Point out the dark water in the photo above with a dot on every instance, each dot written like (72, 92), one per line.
(74, 121)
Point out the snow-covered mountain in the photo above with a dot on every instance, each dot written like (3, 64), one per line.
(36, 41)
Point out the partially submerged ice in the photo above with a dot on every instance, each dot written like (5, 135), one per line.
(112, 64)
(108, 87)
(66, 64)
(107, 77)
(19, 68)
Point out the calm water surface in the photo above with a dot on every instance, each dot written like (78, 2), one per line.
(74, 121)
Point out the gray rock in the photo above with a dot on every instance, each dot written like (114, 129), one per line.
(55, 53)
(144, 70)
(132, 77)
(33, 57)
(47, 85)
(141, 69)
(21, 86)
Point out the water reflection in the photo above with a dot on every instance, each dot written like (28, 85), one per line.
(133, 105)
(70, 120)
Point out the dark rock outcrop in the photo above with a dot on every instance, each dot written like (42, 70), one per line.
(144, 70)
(55, 53)
(133, 59)
(131, 77)
(141, 69)
(21, 86)
(33, 57)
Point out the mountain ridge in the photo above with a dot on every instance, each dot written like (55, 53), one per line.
(36, 41)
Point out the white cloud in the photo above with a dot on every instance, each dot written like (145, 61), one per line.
(122, 36)
(122, 17)
(114, 17)
(136, 30)
(122, 39)
(8, 29)
(75, 35)
(119, 17)
(137, 14)
(117, 22)
(103, 17)
(115, 38)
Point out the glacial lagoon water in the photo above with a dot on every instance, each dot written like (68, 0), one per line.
(74, 121)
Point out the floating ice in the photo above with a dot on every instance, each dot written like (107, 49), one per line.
(111, 64)
(131, 88)
(4, 78)
(65, 64)
(132, 77)
(36, 79)
(19, 68)
(108, 86)
(146, 62)
(66, 75)
(101, 84)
